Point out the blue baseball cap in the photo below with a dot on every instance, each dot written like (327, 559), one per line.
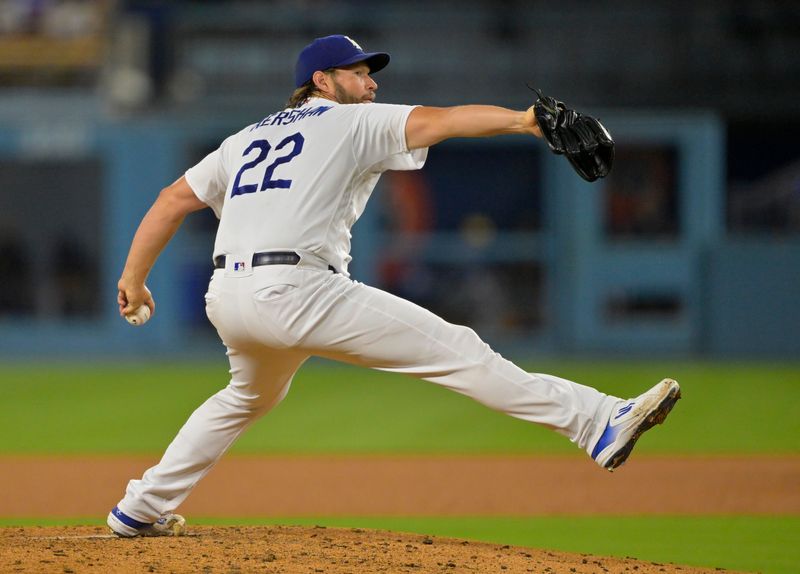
(334, 51)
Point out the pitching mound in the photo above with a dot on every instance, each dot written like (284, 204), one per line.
(290, 549)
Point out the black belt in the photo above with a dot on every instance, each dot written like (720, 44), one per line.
(268, 258)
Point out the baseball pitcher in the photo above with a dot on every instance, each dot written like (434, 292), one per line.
(287, 190)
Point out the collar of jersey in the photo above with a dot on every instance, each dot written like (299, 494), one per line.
(323, 101)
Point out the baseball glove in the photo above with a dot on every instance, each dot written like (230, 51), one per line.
(581, 138)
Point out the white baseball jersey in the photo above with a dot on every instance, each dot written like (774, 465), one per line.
(298, 181)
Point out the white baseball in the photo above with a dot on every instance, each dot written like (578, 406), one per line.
(139, 316)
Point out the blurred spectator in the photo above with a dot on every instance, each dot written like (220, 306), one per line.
(21, 16)
(16, 287)
(52, 18)
(408, 212)
(73, 18)
(52, 42)
(641, 196)
(76, 277)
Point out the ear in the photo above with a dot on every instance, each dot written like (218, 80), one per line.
(322, 81)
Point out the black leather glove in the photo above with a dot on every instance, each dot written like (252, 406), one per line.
(584, 141)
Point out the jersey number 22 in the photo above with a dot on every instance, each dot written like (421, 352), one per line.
(268, 182)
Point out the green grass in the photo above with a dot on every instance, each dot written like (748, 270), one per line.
(69, 408)
(744, 543)
(728, 408)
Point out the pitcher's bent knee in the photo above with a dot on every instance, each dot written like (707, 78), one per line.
(234, 400)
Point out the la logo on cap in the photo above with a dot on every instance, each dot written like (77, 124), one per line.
(354, 43)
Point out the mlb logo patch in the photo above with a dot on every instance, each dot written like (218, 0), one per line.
(239, 265)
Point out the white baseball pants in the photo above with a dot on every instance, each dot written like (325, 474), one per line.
(274, 317)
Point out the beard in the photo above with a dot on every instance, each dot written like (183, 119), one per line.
(344, 97)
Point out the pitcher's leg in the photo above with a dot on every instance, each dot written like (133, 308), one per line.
(260, 379)
(389, 333)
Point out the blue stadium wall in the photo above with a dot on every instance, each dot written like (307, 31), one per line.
(701, 292)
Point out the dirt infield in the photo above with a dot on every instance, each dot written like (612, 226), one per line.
(417, 486)
(371, 486)
(292, 550)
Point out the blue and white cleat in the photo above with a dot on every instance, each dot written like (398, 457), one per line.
(126, 527)
(630, 419)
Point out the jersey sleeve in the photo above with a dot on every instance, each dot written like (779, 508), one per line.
(379, 139)
(209, 179)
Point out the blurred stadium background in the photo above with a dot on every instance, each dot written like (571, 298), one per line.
(690, 248)
(686, 257)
